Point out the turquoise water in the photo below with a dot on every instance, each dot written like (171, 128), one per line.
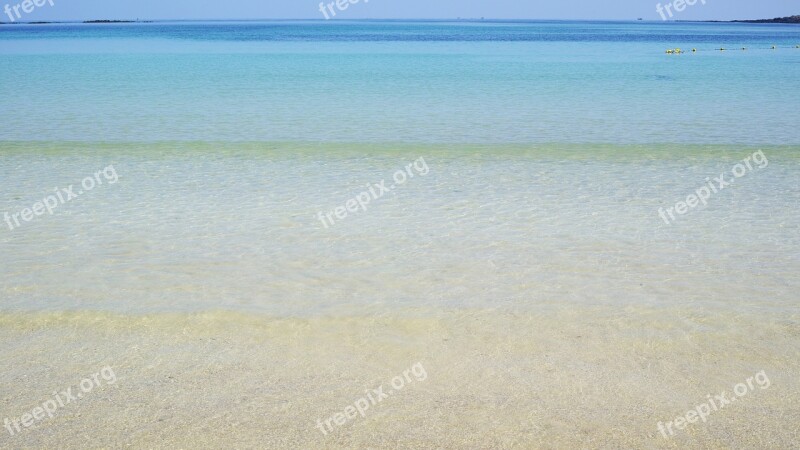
(391, 81)
(551, 148)
(527, 268)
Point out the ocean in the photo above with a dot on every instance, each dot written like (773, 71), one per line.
(579, 235)
(387, 81)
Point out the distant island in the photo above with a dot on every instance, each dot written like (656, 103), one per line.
(109, 21)
(85, 21)
(790, 19)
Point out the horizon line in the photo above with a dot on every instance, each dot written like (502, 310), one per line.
(449, 19)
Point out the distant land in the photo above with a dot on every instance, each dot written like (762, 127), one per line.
(790, 19)
(110, 21)
(85, 21)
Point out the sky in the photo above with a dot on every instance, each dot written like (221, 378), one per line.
(401, 9)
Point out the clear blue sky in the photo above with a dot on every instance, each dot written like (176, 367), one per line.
(379, 9)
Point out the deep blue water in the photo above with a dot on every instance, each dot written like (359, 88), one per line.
(420, 31)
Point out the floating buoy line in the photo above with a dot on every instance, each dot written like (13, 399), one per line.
(678, 51)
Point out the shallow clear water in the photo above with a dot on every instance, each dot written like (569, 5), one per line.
(236, 226)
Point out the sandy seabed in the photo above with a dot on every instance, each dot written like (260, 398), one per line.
(591, 377)
(549, 304)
